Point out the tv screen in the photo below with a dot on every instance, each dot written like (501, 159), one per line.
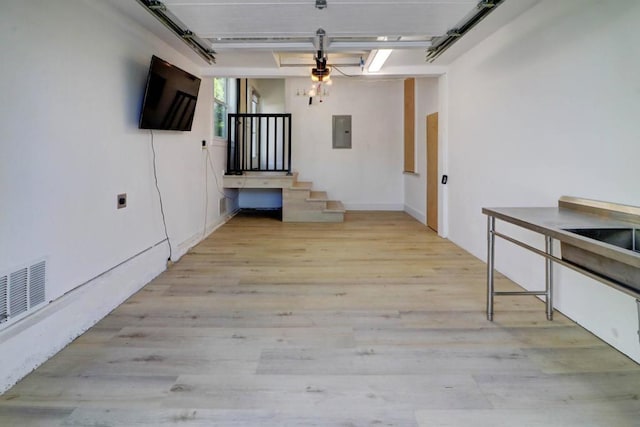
(169, 98)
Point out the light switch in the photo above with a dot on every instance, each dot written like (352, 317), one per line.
(122, 200)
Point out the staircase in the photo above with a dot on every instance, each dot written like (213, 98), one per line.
(300, 203)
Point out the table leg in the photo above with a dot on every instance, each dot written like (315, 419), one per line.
(491, 225)
(548, 246)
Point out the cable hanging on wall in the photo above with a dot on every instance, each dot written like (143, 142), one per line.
(155, 177)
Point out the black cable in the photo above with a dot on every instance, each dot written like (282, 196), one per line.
(342, 72)
(155, 176)
(216, 178)
(206, 198)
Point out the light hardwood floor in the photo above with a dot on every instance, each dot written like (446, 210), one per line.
(372, 322)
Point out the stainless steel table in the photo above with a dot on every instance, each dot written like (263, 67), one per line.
(555, 223)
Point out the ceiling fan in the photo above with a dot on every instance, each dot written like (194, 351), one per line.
(321, 72)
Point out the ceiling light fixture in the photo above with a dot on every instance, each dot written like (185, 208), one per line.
(379, 58)
(321, 72)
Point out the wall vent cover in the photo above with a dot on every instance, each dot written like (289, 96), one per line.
(4, 287)
(37, 276)
(18, 292)
(22, 290)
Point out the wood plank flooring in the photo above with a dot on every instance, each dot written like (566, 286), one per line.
(372, 322)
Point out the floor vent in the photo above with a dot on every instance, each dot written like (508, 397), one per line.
(22, 290)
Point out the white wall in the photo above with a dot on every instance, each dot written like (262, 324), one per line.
(72, 82)
(415, 185)
(369, 175)
(272, 98)
(549, 106)
(443, 154)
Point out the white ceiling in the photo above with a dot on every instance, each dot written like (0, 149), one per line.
(271, 38)
(283, 18)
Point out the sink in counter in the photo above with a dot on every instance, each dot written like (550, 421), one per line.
(609, 268)
(625, 238)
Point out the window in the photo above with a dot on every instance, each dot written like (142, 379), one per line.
(220, 107)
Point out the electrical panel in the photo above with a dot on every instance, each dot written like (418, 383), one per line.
(341, 131)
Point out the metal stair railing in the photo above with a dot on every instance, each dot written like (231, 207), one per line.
(258, 142)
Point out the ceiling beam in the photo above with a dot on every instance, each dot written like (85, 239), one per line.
(379, 44)
(332, 46)
(255, 45)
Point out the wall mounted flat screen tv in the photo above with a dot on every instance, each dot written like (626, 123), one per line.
(169, 98)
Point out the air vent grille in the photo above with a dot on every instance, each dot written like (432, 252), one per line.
(18, 292)
(4, 282)
(22, 290)
(37, 276)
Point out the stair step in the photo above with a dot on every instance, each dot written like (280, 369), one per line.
(318, 196)
(313, 216)
(255, 179)
(335, 206)
(302, 185)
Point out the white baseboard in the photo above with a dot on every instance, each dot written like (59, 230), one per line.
(420, 216)
(373, 206)
(33, 340)
(189, 243)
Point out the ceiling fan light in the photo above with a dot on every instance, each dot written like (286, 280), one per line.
(320, 74)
